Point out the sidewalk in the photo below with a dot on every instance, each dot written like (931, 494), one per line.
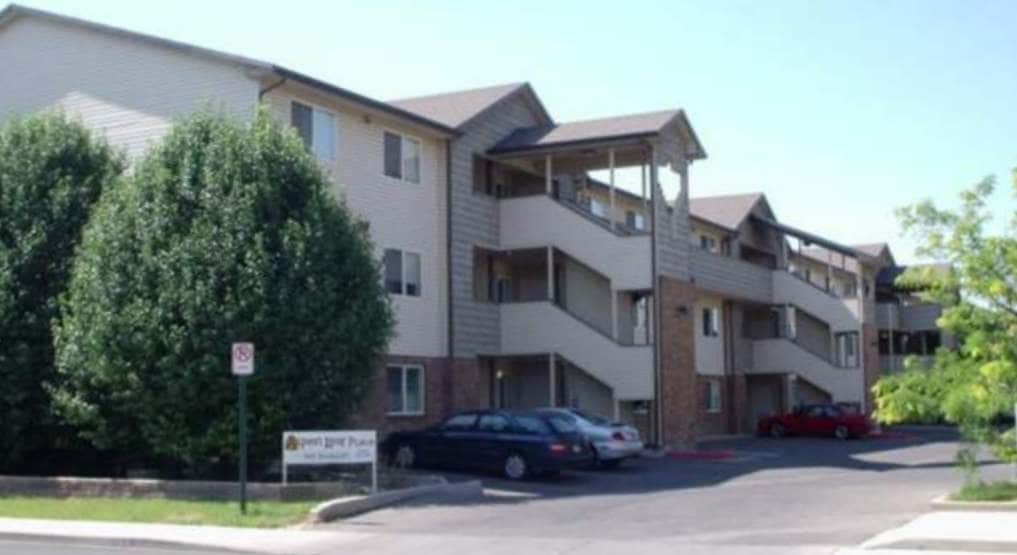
(947, 532)
(129, 534)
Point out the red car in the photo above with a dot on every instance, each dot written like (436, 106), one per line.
(816, 420)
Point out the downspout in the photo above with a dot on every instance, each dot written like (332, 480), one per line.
(448, 249)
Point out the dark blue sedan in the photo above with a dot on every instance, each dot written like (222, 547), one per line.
(516, 443)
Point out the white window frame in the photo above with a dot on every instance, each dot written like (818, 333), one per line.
(714, 397)
(599, 208)
(714, 330)
(403, 396)
(711, 243)
(403, 266)
(403, 138)
(334, 154)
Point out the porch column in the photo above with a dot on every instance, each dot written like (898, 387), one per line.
(551, 374)
(683, 174)
(610, 167)
(642, 180)
(890, 348)
(550, 274)
(548, 170)
(614, 314)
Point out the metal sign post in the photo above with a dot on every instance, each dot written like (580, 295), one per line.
(242, 358)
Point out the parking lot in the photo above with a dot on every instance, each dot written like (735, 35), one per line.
(793, 495)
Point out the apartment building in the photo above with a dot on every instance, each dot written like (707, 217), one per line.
(531, 262)
(906, 323)
(784, 316)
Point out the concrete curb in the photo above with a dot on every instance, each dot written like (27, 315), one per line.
(344, 507)
(944, 503)
(116, 543)
(123, 535)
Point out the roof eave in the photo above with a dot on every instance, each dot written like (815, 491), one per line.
(605, 140)
(364, 100)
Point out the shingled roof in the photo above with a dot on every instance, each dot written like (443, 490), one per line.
(875, 250)
(633, 126)
(728, 211)
(457, 108)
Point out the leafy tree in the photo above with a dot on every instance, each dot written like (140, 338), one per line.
(51, 173)
(226, 232)
(976, 386)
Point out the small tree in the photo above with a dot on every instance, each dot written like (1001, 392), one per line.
(227, 232)
(51, 172)
(976, 386)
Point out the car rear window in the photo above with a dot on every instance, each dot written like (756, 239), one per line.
(460, 422)
(532, 425)
(563, 424)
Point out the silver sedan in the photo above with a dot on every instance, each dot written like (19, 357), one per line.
(612, 442)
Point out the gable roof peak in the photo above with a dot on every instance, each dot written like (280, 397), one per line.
(458, 108)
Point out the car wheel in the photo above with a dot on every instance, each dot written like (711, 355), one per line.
(405, 457)
(515, 467)
(777, 430)
(841, 432)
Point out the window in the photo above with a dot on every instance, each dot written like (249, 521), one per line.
(402, 272)
(402, 157)
(708, 243)
(847, 349)
(598, 208)
(635, 220)
(405, 387)
(711, 321)
(850, 288)
(460, 422)
(712, 397)
(317, 129)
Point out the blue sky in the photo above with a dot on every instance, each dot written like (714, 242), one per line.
(838, 111)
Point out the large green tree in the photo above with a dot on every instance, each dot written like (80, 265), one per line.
(226, 232)
(975, 386)
(51, 173)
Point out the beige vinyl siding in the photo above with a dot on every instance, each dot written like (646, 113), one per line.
(402, 215)
(709, 350)
(127, 90)
(475, 224)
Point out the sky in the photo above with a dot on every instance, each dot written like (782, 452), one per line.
(839, 111)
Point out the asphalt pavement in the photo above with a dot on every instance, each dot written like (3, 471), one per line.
(787, 496)
(792, 495)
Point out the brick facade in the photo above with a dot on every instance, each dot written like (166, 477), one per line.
(449, 385)
(870, 354)
(731, 418)
(678, 383)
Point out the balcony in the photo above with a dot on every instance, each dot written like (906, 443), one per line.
(731, 277)
(887, 316)
(784, 356)
(840, 313)
(542, 327)
(920, 316)
(540, 221)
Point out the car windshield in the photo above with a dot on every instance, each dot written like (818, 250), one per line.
(592, 418)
